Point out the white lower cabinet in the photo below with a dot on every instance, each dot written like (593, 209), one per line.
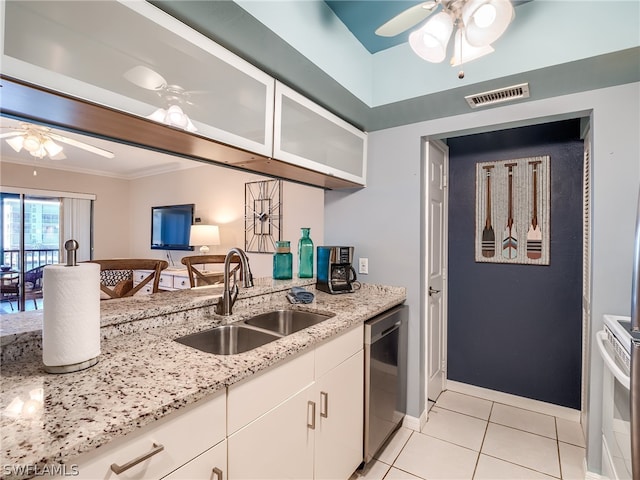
(276, 446)
(211, 465)
(158, 449)
(339, 429)
(316, 433)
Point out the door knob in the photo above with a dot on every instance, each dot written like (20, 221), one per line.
(433, 291)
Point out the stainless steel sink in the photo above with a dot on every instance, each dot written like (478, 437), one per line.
(228, 339)
(286, 322)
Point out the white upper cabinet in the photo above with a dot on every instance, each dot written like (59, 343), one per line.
(135, 58)
(309, 136)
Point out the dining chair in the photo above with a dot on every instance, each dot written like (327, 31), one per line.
(33, 284)
(116, 275)
(196, 268)
(10, 291)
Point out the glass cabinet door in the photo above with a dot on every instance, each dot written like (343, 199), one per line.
(135, 58)
(307, 135)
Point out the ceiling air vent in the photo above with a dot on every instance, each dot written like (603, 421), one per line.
(498, 96)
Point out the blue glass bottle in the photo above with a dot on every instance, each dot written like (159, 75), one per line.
(282, 261)
(305, 255)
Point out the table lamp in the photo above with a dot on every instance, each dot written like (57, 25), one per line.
(204, 235)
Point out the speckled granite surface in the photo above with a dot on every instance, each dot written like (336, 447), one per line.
(144, 375)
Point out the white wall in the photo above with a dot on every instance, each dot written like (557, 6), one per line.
(218, 194)
(392, 201)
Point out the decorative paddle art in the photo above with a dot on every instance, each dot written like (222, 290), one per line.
(512, 211)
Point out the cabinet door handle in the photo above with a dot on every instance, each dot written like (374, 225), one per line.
(118, 469)
(217, 472)
(324, 404)
(311, 406)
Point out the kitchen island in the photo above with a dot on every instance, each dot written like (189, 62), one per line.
(143, 375)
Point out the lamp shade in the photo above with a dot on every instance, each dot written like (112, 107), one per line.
(204, 235)
(486, 20)
(16, 142)
(463, 52)
(430, 41)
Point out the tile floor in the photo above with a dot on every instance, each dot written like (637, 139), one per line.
(468, 438)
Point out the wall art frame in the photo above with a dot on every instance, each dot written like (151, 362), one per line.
(262, 215)
(513, 211)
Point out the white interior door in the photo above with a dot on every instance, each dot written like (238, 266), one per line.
(437, 157)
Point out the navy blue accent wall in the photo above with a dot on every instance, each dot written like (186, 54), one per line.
(518, 328)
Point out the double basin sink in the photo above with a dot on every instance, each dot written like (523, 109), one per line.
(253, 332)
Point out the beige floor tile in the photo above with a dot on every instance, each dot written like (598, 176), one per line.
(522, 448)
(434, 459)
(456, 428)
(490, 468)
(396, 474)
(570, 432)
(526, 420)
(375, 470)
(391, 451)
(458, 402)
(572, 462)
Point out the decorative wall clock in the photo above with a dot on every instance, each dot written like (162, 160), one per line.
(262, 215)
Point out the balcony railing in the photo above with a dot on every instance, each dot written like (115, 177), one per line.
(32, 258)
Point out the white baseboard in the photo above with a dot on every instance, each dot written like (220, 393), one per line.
(594, 476)
(515, 401)
(415, 423)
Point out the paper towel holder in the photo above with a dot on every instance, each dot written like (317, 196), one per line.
(71, 246)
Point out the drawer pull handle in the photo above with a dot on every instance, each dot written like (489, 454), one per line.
(311, 424)
(217, 472)
(118, 469)
(324, 404)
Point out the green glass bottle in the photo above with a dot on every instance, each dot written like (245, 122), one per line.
(282, 261)
(305, 255)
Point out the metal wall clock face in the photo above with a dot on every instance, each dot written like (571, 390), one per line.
(262, 215)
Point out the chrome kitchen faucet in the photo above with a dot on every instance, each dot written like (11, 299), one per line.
(225, 303)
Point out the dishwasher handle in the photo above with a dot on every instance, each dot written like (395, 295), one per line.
(384, 324)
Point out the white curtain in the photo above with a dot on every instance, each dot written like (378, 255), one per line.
(76, 225)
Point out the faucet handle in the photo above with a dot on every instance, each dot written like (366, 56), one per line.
(234, 295)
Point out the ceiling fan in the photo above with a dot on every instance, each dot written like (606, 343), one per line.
(173, 95)
(479, 23)
(40, 141)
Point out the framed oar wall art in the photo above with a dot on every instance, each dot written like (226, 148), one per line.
(512, 211)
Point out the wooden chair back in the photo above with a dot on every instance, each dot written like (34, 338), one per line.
(199, 276)
(124, 287)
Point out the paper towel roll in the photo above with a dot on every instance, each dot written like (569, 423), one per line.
(71, 319)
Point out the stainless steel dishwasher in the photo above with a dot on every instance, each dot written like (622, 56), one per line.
(385, 381)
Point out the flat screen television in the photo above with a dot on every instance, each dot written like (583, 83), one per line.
(170, 227)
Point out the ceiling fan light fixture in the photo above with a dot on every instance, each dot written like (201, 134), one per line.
(486, 20)
(173, 116)
(16, 142)
(430, 41)
(51, 147)
(31, 143)
(463, 52)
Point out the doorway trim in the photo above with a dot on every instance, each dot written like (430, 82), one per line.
(587, 135)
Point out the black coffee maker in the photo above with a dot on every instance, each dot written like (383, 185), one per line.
(334, 269)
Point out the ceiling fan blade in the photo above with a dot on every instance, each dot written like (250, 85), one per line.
(83, 146)
(406, 19)
(10, 134)
(145, 77)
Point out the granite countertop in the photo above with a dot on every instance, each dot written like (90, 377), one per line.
(144, 375)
